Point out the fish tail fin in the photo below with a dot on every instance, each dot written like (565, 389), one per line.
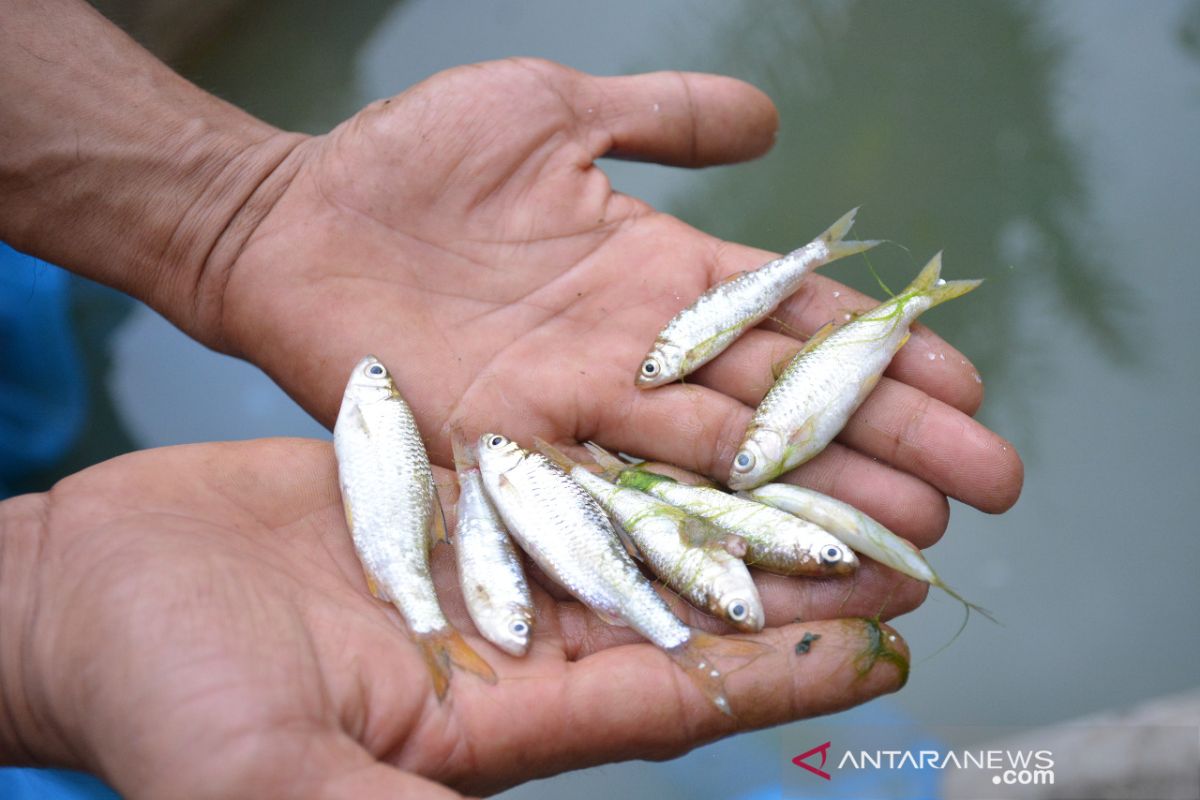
(967, 604)
(928, 282)
(968, 607)
(554, 454)
(441, 649)
(698, 658)
(465, 456)
(612, 465)
(835, 233)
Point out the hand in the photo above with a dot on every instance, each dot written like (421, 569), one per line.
(462, 232)
(197, 625)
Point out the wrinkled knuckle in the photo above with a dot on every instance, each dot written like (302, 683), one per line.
(908, 434)
(719, 447)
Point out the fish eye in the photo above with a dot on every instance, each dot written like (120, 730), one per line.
(376, 370)
(744, 461)
(738, 611)
(497, 441)
(518, 627)
(831, 554)
(649, 367)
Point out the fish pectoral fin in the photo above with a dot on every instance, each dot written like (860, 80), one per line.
(803, 433)
(361, 419)
(437, 517)
(904, 341)
(505, 485)
(630, 547)
(735, 545)
(374, 588)
(347, 511)
(728, 279)
(611, 619)
(867, 387)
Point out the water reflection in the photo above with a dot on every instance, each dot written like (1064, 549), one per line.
(1189, 30)
(287, 61)
(939, 119)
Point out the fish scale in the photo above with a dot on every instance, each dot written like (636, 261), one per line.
(700, 332)
(775, 540)
(564, 530)
(689, 555)
(388, 486)
(559, 524)
(390, 502)
(489, 569)
(829, 378)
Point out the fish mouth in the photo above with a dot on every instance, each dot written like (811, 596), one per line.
(512, 646)
(847, 565)
(739, 483)
(843, 568)
(645, 382)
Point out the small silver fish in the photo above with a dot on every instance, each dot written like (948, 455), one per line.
(563, 529)
(699, 333)
(829, 379)
(691, 556)
(862, 533)
(775, 540)
(489, 568)
(392, 512)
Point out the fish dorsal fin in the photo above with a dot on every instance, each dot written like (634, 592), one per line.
(565, 462)
(788, 329)
(374, 588)
(780, 366)
(815, 340)
(611, 465)
(728, 279)
(437, 517)
(347, 510)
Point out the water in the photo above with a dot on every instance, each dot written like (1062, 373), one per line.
(1049, 148)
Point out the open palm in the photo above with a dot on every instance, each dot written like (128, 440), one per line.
(461, 232)
(213, 588)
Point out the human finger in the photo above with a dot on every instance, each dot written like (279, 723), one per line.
(634, 702)
(898, 424)
(684, 119)
(700, 429)
(335, 767)
(949, 375)
(874, 591)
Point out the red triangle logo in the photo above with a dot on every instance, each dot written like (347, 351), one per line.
(823, 749)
